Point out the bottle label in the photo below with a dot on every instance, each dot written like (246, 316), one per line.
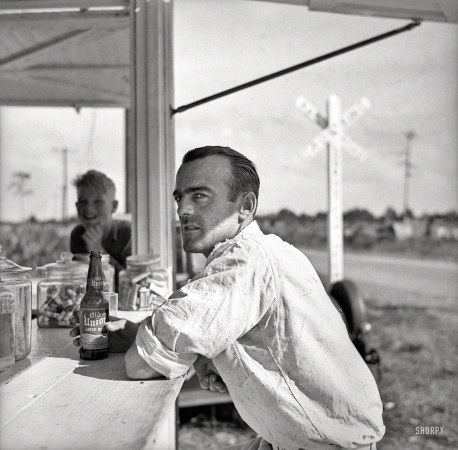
(91, 324)
(96, 282)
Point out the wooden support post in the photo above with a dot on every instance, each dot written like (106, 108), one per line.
(151, 145)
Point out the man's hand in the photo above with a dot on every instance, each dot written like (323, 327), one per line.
(121, 334)
(209, 377)
(93, 238)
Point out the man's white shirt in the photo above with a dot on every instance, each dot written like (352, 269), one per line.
(259, 310)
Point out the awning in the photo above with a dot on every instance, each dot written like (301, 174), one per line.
(67, 58)
(53, 53)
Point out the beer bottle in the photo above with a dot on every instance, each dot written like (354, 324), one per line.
(93, 312)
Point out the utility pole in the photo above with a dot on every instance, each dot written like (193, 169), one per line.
(64, 151)
(18, 185)
(407, 172)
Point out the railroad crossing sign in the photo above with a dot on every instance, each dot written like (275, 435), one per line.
(335, 140)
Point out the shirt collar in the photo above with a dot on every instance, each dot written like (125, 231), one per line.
(252, 228)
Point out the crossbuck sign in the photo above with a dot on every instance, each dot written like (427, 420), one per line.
(335, 140)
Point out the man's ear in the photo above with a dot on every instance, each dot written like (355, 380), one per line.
(115, 206)
(248, 205)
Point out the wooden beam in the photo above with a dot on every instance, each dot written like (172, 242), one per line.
(60, 94)
(51, 83)
(41, 46)
(88, 19)
(43, 69)
(64, 102)
(12, 5)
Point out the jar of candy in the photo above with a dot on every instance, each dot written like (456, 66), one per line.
(15, 308)
(142, 284)
(107, 268)
(59, 294)
(7, 328)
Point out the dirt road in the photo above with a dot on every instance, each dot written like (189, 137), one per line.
(402, 280)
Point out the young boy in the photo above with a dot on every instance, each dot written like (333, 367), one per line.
(98, 230)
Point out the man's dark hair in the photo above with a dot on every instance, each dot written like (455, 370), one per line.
(96, 180)
(244, 174)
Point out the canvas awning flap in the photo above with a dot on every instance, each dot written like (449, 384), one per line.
(430, 10)
(77, 52)
(65, 58)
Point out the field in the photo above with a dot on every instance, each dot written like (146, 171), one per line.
(418, 347)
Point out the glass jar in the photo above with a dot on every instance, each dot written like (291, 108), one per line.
(141, 282)
(59, 294)
(7, 332)
(107, 268)
(16, 295)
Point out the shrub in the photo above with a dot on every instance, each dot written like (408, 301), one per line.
(34, 244)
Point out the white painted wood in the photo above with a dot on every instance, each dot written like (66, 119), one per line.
(320, 142)
(335, 213)
(152, 97)
(335, 140)
(352, 148)
(311, 112)
(45, 342)
(352, 114)
(61, 402)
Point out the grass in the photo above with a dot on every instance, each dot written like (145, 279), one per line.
(34, 244)
(419, 352)
(419, 388)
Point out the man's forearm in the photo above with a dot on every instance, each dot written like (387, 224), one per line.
(137, 368)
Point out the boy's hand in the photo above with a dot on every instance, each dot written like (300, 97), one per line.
(209, 377)
(93, 238)
(121, 334)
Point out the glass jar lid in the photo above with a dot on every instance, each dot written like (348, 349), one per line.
(9, 268)
(65, 266)
(143, 260)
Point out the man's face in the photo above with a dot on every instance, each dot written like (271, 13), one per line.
(202, 194)
(95, 207)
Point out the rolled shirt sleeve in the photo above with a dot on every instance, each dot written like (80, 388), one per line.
(210, 313)
(159, 357)
(207, 315)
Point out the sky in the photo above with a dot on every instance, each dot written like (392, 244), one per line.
(410, 79)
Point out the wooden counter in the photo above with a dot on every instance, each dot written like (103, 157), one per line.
(54, 400)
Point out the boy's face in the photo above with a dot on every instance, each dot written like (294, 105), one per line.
(207, 216)
(95, 207)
